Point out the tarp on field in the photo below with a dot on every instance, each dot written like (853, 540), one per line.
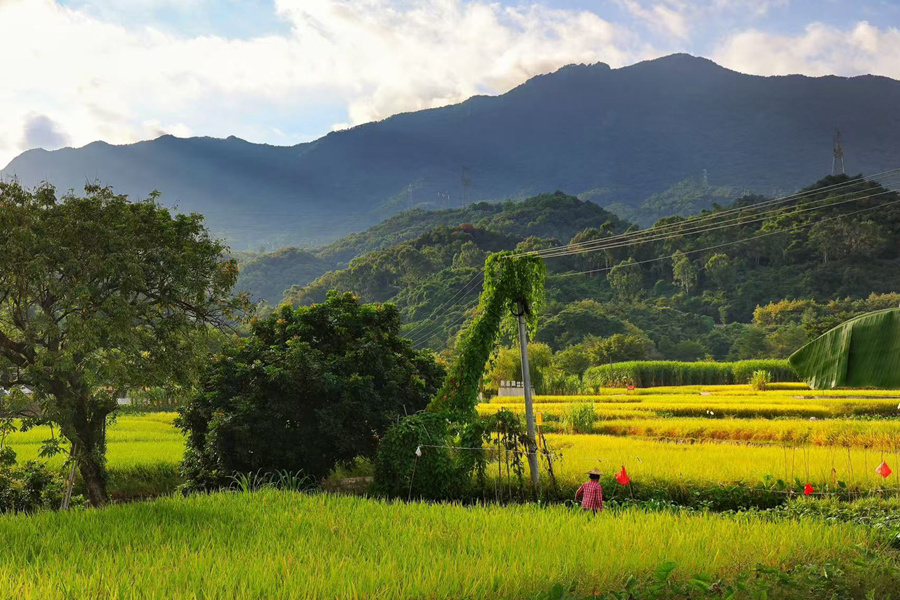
(861, 352)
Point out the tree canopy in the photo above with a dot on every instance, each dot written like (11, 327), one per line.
(98, 296)
(310, 388)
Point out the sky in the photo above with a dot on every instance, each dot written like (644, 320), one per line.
(289, 71)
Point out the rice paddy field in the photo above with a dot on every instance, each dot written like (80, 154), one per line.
(143, 451)
(277, 544)
(677, 444)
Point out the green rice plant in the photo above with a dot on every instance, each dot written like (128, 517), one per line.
(760, 380)
(279, 545)
(579, 418)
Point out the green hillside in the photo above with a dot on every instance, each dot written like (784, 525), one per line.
(721, 302)
(556, 216)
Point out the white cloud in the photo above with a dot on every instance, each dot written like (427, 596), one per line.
(819, 50)
(101, 80)
(668, 17)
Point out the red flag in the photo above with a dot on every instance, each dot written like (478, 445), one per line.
(808, 489)
(622, 477)
(883, 469)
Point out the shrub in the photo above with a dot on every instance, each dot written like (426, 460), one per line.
(311, 388)
(29, 487)
(759, 380)
(652, 373)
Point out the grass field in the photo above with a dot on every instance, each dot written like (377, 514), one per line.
(275, 544)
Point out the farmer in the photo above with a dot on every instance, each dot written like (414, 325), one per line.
(591, 492)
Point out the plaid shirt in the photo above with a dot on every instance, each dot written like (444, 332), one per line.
(591, 495)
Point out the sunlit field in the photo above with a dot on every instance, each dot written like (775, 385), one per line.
(649, 461)
(727, 435)
(132, 440)
(274, 544)
(143, 451)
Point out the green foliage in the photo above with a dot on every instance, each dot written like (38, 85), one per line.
(720, 270)
(100, 295)
(626, 279)
(863, 352)
(576, 321)
(667, 373)
(507, 366)
(556, 216)
(267, 276)
(579, 418)
(573, 360)
(29, 487)
(684, 271)
(312, 387)
(616, 348)
(759, 380)
(867, 577)
(509, 283)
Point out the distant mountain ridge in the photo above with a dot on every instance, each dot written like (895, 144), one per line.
(618, 135)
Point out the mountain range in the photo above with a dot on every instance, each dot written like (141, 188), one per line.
(621, 138)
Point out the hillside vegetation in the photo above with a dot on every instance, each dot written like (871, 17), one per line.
(707, 297)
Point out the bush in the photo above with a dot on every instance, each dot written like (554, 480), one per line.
(668, 373)
(29, 487)
(311, 388)
(759, 380)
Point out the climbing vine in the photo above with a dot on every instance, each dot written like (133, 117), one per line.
(450, 439)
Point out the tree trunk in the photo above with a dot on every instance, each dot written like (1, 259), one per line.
(93, 473)
(90, 453)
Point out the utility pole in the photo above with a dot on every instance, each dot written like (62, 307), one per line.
(529, 407)
(838, 154)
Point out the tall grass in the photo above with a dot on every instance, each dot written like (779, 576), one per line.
(276, 544)
(666, 373)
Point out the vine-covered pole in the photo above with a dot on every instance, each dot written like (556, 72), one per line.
(529, 407)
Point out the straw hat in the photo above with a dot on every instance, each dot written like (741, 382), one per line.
(594, 472)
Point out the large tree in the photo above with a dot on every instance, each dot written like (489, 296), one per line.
(310, 388)
(98, 296)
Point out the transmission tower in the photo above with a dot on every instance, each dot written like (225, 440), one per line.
(838, 154)
(465, 180)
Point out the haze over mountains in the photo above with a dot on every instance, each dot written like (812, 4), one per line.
(616, 137)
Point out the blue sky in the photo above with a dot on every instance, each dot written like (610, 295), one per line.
(288, 71)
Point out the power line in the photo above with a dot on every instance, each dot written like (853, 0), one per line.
(741, 241)
(414, 334)
(683, 227)
(702, 230)
(719, 214)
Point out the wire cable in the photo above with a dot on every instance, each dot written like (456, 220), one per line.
(715, 215)
(700, 231)
(741, 241)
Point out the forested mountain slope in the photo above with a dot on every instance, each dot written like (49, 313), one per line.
(689, 294)
(618, 136)
(557, 216)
